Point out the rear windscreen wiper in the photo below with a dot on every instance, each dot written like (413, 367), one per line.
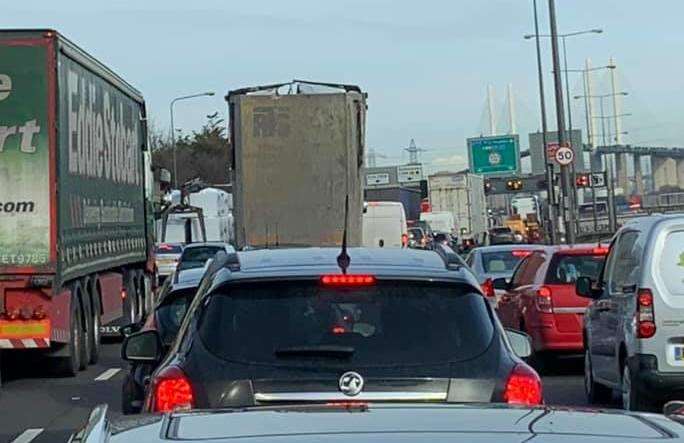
(330, 351)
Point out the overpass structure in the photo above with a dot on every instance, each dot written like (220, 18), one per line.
(667, 164)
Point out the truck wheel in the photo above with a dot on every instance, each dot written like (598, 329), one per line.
(130, 308)
(94, 324)
(70, 365)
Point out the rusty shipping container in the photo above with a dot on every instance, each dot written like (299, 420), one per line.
(296, 155)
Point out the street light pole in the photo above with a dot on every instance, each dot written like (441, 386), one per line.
(612, 219)
(173, 131)
(568, 203)
(548, 167)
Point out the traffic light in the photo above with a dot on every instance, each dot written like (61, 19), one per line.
(487, 187)
(514, 184)
(582, 180)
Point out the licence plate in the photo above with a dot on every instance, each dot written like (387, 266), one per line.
(675, 354)
(19, 329)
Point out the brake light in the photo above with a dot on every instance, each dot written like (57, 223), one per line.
(646, 327)
(348, 280)
(172, 391)
(599, 251)
(488, 288)
(543, 300)
(337, 330)
(123, 294)
(404, 240)
(164, 247)
(521, 254)
(523, 386)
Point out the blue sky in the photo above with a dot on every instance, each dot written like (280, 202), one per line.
(425, 65)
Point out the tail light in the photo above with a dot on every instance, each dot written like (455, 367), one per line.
(12, 314)
(599, 251)
(646, 327)
(171, 391)
(404, 240)
(39, 313)
(488, 288)
(521, 254)
(123, 294)
(523, 386)
(348, 280)
(543, 300)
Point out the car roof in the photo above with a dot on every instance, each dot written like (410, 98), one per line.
(383, 423)
(219, 244)
(187, 278)
(508, 247)
(403, 263)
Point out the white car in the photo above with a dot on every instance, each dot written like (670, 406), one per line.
(167, 256)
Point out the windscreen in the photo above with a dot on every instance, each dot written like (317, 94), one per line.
(565, 269)
(386, 324)
(197, 257)
(501, 261)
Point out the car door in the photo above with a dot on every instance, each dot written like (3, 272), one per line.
(619, 287)
(507, 303)
(526, 293)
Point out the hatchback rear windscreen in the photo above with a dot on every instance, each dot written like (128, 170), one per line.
(564, 269)
(386, 324)
(168, 248)
(197, 257)
(502, 261)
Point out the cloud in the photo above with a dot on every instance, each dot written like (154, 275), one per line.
(456, 160)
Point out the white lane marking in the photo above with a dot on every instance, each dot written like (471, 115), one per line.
(29, 343)
(106, 375)
(28, 435)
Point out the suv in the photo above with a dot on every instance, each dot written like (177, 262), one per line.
(269, 327)
(634, 327)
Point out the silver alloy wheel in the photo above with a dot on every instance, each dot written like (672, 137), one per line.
(626, 388)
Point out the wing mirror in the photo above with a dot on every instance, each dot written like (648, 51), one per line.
(129, 329)
(520, 342)
(142, 347)
(501, 283)
(584, 287)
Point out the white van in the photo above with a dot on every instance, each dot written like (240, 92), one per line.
(439, 221)
(384, 225)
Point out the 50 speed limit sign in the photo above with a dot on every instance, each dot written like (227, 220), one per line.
(564, 156)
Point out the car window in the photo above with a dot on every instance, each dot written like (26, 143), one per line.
(519, 272)
(387, 324)
(625, 264)
(502, 261)
(671, 263)
(527, 270)
(171, 311)
(168, 248)
(197, 257)
(565, 269)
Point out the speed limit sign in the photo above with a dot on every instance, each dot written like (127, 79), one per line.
(564, 156)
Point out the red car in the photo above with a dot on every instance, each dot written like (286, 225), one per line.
(540, 298)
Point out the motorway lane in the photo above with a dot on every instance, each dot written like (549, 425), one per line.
(31, 399)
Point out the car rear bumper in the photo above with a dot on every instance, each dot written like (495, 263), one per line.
(654, 384)
(546, 337)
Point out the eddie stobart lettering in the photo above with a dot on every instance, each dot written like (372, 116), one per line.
(26, 131)
(103, 141)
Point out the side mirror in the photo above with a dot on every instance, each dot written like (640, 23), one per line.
(520, 342)
(501, 283)
(129, 329)
(142, 347)
(584, 287)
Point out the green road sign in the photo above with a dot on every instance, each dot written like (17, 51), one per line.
(494, 156)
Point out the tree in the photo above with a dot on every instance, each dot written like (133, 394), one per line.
(204, 154)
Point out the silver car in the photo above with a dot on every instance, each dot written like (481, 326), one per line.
(634, 328)
(382, 423)
(166, 257)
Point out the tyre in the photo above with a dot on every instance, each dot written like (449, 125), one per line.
(596, 393)
(94, 333)
(130, 395)
(70, 364)
(632, 400)
(129, 305)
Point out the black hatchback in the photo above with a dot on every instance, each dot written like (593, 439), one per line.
(288, 326)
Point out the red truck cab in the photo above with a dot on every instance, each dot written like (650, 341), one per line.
(540, 298)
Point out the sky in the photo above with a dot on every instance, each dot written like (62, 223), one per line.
(425, 65)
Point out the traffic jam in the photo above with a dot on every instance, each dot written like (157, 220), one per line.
(305, 300)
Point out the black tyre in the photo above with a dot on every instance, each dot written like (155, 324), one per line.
(632, 400)
(596, 393)
(130, 306)
(94, 333)
(70, 364)
(130, 396)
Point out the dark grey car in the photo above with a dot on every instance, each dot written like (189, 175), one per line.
(361, 423)
(287, 326)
